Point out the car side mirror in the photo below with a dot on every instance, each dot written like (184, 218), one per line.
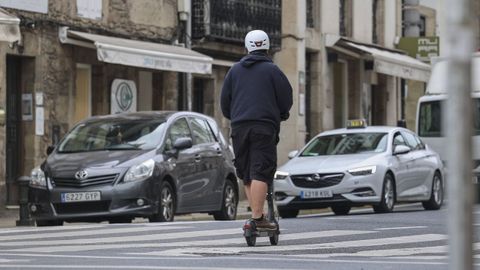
(400, 150)
(182, 143)
(292, 154)
(50, 149)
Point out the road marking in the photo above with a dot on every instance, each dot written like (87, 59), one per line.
(9, 261)
(213, 242)
(270, 249)
(265, 257)
(44, 229)
(392, 253)
(118, 239)
(102, 231)
(400, 228)
(103, 266)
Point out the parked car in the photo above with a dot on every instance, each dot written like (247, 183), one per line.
(360, 165)
(148, 164)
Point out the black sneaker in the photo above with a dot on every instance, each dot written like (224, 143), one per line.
(265, 225)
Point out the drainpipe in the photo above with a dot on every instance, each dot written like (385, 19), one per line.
(411, 21)
(185, 16)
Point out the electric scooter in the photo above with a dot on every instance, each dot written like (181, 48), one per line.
(250, 231)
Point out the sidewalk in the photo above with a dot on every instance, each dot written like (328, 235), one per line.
(8, 216)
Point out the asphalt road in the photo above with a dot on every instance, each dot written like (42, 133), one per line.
(409, 238)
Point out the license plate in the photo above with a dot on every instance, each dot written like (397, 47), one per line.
(80, 196)
(311, 194)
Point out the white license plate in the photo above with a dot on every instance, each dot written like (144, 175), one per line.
(80, 196)
(311, 194)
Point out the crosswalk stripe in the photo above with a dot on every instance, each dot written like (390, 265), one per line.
(333, 245)
(400, 228)
(108, 230)
(213, 242)
(397, 252)
(45, 229)
(118, 239)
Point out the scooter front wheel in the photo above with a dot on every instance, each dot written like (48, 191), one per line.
(251, 240)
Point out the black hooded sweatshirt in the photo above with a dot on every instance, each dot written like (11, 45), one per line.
(256, 90)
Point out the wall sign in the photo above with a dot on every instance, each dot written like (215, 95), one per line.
(27, 107)
(421, 48)
(123, 97)
(40, 6)
(91, 9)
(39, 121)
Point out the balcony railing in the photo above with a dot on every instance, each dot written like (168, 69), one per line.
(230, 20)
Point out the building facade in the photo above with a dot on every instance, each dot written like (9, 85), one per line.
(81, 58)
(73, 56)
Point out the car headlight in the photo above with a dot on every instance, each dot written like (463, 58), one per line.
(139, 172)
(363, 170)
(37, 178)
(280, 175)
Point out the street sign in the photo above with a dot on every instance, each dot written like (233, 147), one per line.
(421, 48)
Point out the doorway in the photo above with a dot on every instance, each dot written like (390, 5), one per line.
(20, 78)
(340, 93)
(82, 97)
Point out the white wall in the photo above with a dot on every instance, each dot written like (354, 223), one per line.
(439, 6)
(390, 24)
(330, 16)
(362, 20)
(144, 102)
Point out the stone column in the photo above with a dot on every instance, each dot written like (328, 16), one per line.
(291, 59)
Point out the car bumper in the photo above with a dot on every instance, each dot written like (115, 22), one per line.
(353, 190)
(125, 199)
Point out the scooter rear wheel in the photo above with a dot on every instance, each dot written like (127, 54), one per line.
(274, 239)
(251, 240)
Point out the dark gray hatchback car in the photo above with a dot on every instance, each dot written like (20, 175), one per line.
(148, 164)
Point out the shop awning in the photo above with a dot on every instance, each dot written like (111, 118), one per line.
(386, 61)
(140, 53)
(9, 27)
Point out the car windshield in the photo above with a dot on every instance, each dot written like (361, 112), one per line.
(114, 135)
(347, 143)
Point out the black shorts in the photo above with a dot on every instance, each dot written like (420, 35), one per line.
(255, 147)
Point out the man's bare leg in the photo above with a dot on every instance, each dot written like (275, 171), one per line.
(257, 194)
(247, 193)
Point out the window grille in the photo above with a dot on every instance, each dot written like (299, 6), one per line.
(310, 19)
(230, 20)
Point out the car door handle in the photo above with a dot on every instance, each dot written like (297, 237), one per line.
(198, 158)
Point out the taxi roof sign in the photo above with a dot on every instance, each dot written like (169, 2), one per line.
(357, 123)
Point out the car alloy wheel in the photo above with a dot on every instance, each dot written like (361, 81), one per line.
(436, 196)
(388, 196)
(229, 203)
(166, 204)
(437, 190)
(387, 202)
(166, 200)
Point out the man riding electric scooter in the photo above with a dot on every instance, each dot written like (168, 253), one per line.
(256, 96)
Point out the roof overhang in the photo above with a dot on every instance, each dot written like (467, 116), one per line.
(386, 61)
(9, 27)
(139, 53)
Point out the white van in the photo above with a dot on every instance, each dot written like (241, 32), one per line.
(429, 111)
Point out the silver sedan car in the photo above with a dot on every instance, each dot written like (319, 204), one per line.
(375, 165)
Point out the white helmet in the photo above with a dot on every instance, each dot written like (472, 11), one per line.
(257, 40)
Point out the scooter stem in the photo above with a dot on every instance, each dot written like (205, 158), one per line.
(271, 209)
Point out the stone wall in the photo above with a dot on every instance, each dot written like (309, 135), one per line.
(49, 67)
